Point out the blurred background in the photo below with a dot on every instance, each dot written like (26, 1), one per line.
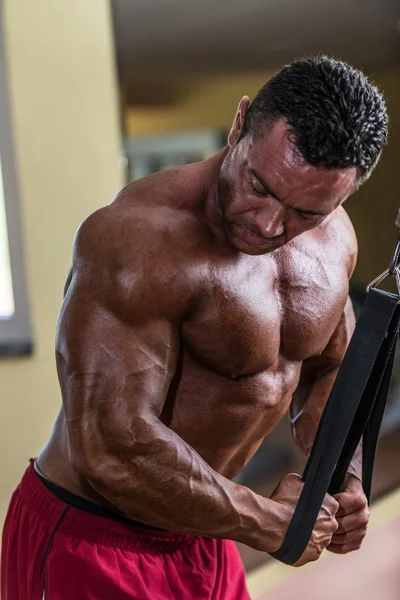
(98, 93)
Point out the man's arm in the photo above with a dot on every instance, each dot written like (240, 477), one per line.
(318, 373)
(117, 350)
(317, 378)
(316, 381)
(67, 282)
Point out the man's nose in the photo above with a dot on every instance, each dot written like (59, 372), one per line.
(270, 219)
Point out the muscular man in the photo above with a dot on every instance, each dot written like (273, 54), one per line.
(204, 303)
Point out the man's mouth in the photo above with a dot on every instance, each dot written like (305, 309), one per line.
(256, 240)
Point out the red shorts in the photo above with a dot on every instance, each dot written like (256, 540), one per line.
(55, 551)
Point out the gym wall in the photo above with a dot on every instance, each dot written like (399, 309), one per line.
(65, 123)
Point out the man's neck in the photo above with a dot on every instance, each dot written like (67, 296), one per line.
(211, 206)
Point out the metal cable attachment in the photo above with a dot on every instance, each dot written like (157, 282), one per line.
(394, 267)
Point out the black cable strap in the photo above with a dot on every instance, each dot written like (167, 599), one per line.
(354, 410)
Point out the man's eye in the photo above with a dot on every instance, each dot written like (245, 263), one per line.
(306, 217)
(259, 191)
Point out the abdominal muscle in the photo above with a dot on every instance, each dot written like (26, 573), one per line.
(226, 420)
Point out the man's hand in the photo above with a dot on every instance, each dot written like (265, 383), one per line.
(286, 495)
(352, 517)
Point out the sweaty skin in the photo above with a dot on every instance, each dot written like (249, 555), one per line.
(200, 309)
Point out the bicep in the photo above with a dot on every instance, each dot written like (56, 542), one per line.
(317, 377)
(67, 282)
(333, 353)
(114, 370)
(322, 369)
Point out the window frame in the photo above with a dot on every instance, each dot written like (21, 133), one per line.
(15, 332)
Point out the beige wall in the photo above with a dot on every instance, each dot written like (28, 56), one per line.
(374, 209)
(66, 129)
(212, 103)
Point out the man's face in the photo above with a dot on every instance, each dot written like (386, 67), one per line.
(269, 195)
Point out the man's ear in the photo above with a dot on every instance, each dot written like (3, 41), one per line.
(237, 125)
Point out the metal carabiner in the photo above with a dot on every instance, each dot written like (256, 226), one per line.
(383, 276)
(394, 263)
(394, 267)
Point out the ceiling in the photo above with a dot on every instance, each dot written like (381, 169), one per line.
(162, 42)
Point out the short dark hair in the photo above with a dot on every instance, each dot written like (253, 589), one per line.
(337, 117)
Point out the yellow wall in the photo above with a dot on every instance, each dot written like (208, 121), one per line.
(208, 103)
(374, 208)
(66, 130)
(213, 102)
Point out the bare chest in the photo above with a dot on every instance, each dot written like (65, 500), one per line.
(257, 313)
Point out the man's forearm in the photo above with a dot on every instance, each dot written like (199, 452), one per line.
(355, 467)
(163, 482)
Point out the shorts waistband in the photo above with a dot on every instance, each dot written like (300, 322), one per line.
(96, 529)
